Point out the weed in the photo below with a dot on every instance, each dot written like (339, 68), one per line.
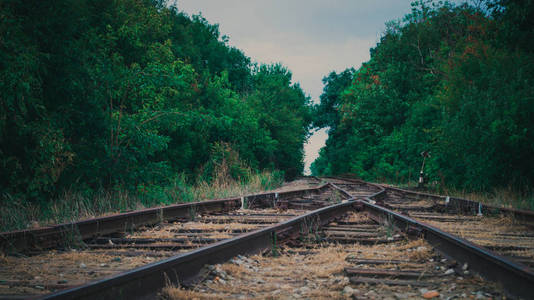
(192, 213)
(72, 239)
(274, 244)
(389, 226)
(335, 196)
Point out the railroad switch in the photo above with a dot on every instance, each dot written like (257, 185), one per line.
(421, 182)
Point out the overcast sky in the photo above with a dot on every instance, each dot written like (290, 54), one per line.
(310, 37)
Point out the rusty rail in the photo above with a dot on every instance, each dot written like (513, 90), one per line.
(54, 236)
(465, 205)
(43, 238)
(516, 279)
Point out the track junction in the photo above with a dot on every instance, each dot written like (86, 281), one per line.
(339, 238)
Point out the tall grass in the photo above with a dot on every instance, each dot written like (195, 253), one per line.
(502, 196)
(16, 213)
(508, 196)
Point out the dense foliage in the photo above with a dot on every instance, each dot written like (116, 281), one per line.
(133, 93)
(457, 81)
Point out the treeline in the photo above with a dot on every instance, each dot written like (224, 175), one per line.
(457, 81)
(99, 94)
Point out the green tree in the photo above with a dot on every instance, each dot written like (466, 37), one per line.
(130, 94)
(453, 80)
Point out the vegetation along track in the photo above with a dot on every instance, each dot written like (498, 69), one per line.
(369, 232)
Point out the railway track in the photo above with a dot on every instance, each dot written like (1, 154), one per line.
(342, 261)
(46, 260)
(508, 233)
(112, 254)
(364, 229)
(498, 241)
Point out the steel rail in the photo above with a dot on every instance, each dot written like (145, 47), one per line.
(451, 203)
(54, 236)
(146, 281)
(516, 279)
(465, 205)
(37, 239)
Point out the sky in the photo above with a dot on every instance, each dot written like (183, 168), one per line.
(310, 37)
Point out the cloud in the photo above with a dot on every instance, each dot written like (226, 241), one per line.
(310, 61)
